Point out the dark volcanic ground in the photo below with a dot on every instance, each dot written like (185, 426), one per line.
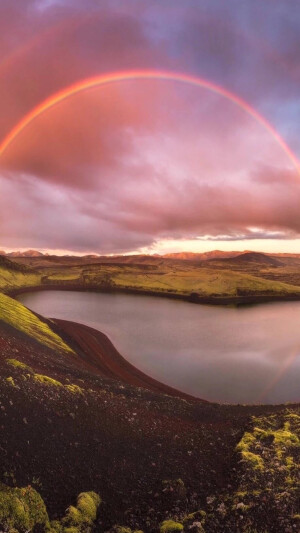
(119, 440)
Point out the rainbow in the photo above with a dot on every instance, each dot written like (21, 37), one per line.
(278, 376)
(123, 76)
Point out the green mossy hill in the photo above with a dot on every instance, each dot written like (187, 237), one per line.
(12, 265)
(209, 283)
(22, 319)
(182, 279)
(14, 276)
(21, 510)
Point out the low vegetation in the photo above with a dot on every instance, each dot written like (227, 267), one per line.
(182, 280)
(80, 518)
(170, 526)
(23, 510)
(19, 317)
(26, 372)
(11, 278)
(259, 276)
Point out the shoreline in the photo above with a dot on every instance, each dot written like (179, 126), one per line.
(239, 300)
(98, 354)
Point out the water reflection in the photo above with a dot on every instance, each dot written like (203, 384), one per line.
(240, 355)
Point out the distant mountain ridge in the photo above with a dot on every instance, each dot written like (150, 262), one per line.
(200, 256)
(181, 256)
(27, 253)
(253, 257)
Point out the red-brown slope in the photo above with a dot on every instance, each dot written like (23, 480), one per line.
(98, 354)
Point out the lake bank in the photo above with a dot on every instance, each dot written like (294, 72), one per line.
(100, 356)
(245, 299)
(223, 354)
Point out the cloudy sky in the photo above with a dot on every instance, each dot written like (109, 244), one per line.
(154, 164)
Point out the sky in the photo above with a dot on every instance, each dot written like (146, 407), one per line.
(194, 147)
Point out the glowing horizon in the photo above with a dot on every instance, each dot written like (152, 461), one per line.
(169, 247)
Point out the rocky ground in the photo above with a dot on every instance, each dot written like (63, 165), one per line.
(68, 426)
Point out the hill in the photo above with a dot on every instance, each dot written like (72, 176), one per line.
(256, 257)
(205, 256)
(13, 275)
(26, 253)
(249, 277)
(250, 258)
(11, 265)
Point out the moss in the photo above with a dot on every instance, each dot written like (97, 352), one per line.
(196, 516)
(290, 463)
(241, 494)
(56, 527)
(75, 389)
(293, 416)
(284, 437)
(73, 515)
(168, 526)
(22, 509)
(254, 460)
(256, 492)
(17, 364)
(87, 504)
(10, 277)
(85, 512)
(289, 480)
(22, 319)
(247, 440)
(46, 380)
(241, 507)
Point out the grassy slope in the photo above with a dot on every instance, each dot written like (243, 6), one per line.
(11, 279)
(19, 317)
(176, 279)
(219, 279)
(205, 282)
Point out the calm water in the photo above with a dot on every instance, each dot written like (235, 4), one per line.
(249, 354)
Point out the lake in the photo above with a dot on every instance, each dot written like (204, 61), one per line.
(238, 355)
